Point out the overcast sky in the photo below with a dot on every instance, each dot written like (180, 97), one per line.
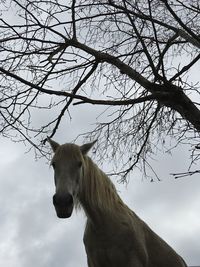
(32, 235)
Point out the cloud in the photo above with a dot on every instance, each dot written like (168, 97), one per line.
(32, 235)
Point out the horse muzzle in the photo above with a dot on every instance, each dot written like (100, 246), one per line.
(63, 205)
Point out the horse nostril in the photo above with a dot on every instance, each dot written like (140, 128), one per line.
(54, 200)
(62, 200)
(69, 199)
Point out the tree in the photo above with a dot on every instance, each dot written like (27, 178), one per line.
(135, 58)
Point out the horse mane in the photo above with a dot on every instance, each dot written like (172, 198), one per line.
(97, 190)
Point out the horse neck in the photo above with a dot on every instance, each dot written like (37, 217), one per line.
(98, 195)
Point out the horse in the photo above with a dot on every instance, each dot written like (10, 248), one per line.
(114, 235)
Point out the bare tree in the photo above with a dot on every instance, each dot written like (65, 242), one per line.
(135, 58)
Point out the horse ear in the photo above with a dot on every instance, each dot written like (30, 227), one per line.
(86, 147)
(53, 144)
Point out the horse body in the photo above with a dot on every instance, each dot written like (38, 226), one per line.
(126, 248)
(114, 235)
(114, 245)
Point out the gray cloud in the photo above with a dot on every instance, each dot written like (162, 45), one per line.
(32, 235)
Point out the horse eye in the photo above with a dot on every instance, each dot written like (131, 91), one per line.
(53, 165)
(80, 164)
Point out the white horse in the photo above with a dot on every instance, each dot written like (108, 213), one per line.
(114, 235)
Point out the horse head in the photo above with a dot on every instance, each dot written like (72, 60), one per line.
(67, 162)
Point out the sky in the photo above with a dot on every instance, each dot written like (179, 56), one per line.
(32, 235)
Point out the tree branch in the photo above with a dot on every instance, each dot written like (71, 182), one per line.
(183, 25)
(80, 97)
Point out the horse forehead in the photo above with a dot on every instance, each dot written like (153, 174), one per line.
(68, 152)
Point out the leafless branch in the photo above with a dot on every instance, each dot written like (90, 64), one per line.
(136, 59)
